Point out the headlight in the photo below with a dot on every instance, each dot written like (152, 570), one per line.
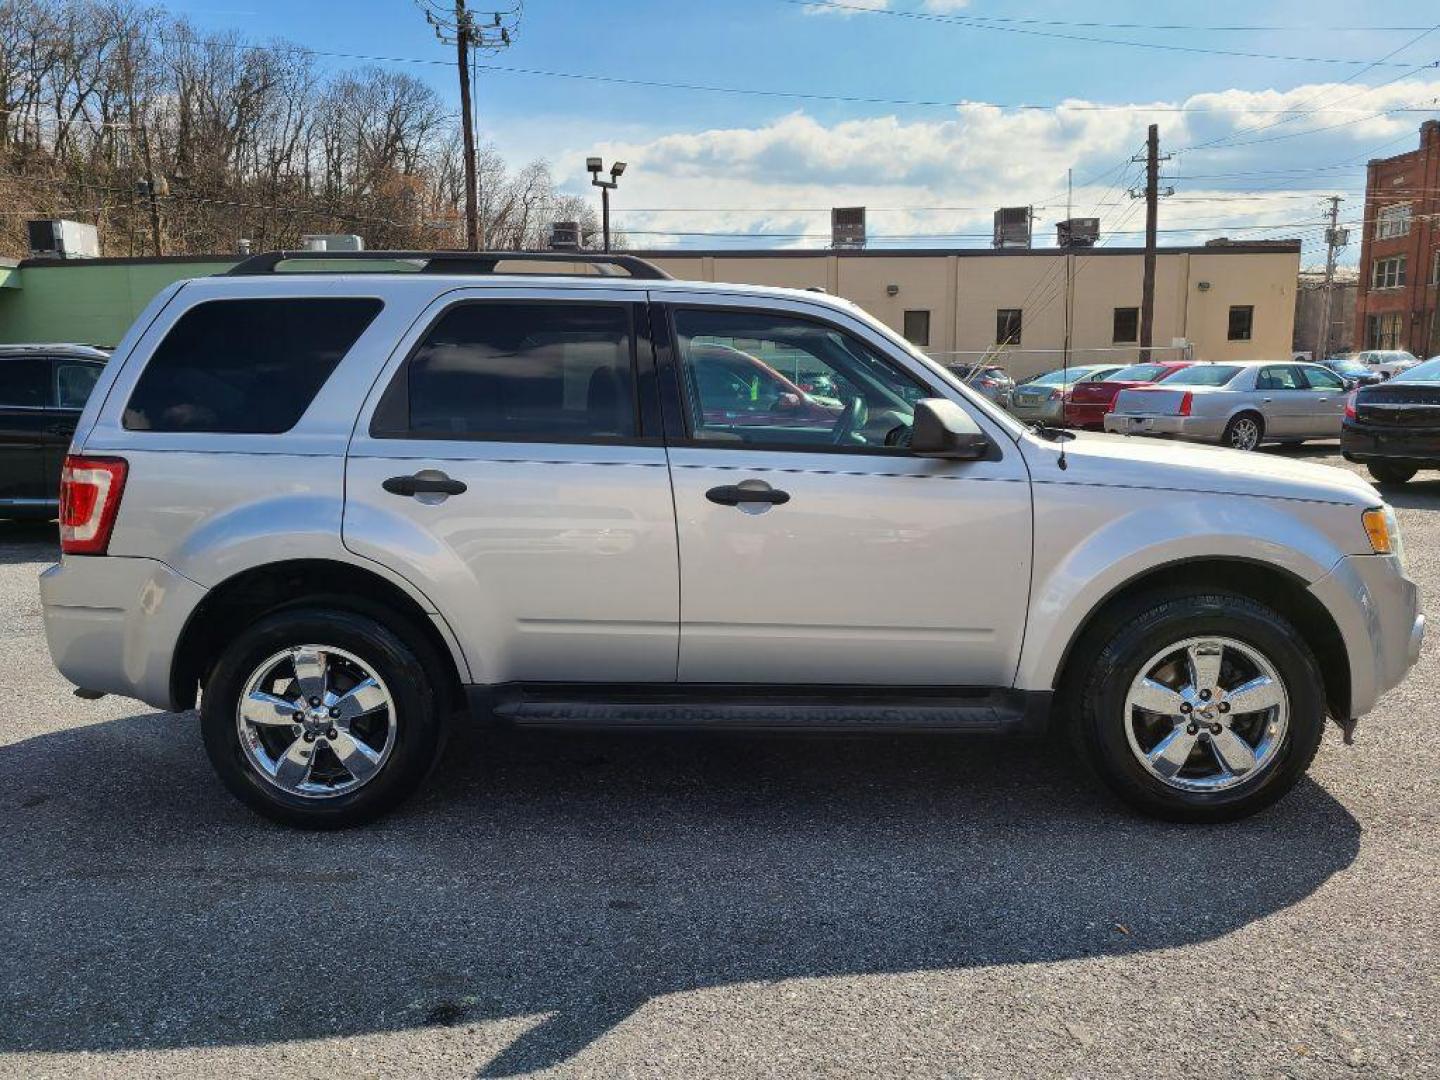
(1384, 531)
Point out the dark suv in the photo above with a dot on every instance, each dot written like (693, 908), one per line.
(42, 390)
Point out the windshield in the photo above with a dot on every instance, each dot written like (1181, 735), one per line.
(1204, 375)
(1428, 372)
(1136, 373)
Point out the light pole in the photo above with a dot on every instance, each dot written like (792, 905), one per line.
(594, 165)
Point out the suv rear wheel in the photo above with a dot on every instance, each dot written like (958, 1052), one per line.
(1201, 707)
(321, 719)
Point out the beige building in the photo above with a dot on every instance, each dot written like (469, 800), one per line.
(1218, 302)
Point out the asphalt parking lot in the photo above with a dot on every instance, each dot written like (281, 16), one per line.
(652, 906)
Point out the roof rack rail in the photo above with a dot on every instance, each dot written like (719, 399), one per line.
(452, 262)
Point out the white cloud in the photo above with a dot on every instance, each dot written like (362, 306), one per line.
(845, 9)
(941, 7)
(781, 176)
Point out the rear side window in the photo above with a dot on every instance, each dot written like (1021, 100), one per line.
(73, 383)
(245, 366)
(522, 371)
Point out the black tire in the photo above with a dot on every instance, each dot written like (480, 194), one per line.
(1231, 438)
(1111, 659)
(1385, 473)
(403, 661)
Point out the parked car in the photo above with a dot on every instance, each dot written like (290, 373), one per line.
(1043, 397)
(1387, 362)
(1352, 370)
(1088, 402)
(992, 381)
(1237, 405)
(1394, 429)
(42, 390)
(345, 510)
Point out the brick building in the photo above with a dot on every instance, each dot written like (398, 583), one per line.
(1400, 252)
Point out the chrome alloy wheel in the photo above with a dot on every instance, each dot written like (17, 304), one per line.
(1245, 434)
(1206, 714)
(316, 721)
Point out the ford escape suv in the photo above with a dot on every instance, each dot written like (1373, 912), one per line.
(343, 505)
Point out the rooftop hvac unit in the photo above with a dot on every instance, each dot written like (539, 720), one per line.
(332, 242)
(847, 227)
(565, 236)
(1077, 232)
(55, 238)
(1012, 227)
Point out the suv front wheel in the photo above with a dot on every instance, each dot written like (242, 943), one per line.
(320, 719)
(1201, 707)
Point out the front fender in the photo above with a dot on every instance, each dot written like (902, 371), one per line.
(1091, 542)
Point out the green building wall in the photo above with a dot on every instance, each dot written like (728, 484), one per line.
(93, 301)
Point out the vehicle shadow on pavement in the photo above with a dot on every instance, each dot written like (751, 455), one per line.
(563, 881)
(29, 541)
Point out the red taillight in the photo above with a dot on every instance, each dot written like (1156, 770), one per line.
(90, 490)
(1350, 405)
(1186, 400)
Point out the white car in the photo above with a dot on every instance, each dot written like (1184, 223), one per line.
(1387, 361)
(344, 510)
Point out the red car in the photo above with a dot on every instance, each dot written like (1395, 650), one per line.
(1087, 402)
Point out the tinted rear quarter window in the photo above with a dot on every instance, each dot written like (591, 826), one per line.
(24, 381)
(245, 366)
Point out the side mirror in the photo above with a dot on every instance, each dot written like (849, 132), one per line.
(943, 429)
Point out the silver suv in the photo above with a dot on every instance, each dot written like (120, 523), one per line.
(345, 510)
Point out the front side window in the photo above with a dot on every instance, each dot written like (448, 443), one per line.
(1392, 221)
(1242, 322)
(1127, 325)
(245, 366)
(1388, 273)
(24, 382)
(73, 383)
(1007, 326)
(1320, 379)
(768, 379)
(917, 327)
(531, 371)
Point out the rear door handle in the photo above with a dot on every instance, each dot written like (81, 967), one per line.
(424, 483)
(734, 495)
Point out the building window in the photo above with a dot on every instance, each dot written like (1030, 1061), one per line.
(1007, 326)
(1242, 322)
(1127, 325)
(1392, 221)
(1383, 331)
(1435, 267)
(917, 327)
(1388, 273)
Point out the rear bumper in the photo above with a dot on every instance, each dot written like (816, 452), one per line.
(1377, 609)
(112, 623)
(1048, 409)
(1180, 427)
(1364, 443)
(1085, 415)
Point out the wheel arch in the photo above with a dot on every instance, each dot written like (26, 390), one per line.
(1276, 586)
(260, 590)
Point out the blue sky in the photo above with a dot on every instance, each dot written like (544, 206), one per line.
(766, 165)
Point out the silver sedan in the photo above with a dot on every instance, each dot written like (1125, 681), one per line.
(1237, 405)
(1043, 397)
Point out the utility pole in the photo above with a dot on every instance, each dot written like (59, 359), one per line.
(1335, 239)
(1152, 209)
(1069, 275)
(462, 59)
(468, 35)
(157, 249)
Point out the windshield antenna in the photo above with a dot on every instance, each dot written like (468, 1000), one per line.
(1069, 306)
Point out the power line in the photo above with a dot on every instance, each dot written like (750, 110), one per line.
(968, 21)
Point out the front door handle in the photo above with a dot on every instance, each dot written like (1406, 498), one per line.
(735, 494)
(425, 482)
